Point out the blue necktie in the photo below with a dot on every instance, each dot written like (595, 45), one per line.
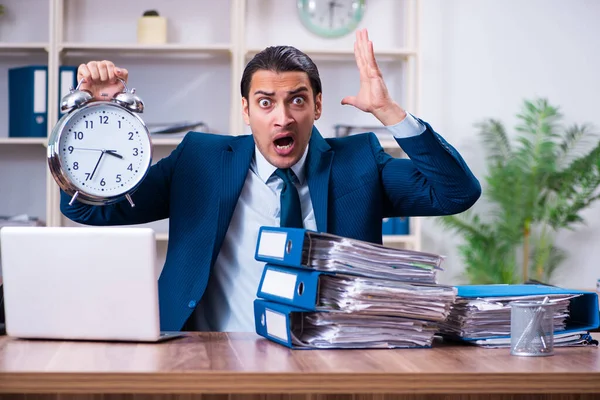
(291, 212)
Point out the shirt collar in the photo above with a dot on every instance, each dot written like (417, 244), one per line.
(266, 169)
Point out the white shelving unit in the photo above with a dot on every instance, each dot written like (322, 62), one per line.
(199, 69)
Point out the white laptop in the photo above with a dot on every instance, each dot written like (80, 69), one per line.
(81, 283)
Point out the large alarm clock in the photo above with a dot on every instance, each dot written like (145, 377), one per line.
(100, 150)
(331, 18)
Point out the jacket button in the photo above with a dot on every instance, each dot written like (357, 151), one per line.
(192, 304)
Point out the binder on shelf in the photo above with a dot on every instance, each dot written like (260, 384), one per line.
(67, 79)
(388, 226)
(28, 101)
(402, 226)
(580, 309)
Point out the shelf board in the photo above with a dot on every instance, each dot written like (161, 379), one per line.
(347, 54)
(24, 140)
(398, 239)
(23, 47)
(44, 141)
(166, 141)
(169, 48)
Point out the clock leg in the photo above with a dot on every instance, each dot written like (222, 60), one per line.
(128, 197)
(74, 198)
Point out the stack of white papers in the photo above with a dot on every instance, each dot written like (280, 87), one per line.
(488, 317)
(326, 252)
(384, 297)
(342, 330)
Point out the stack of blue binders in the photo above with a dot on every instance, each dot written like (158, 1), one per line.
(325, 291)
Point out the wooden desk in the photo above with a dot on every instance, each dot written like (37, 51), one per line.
(213, 365)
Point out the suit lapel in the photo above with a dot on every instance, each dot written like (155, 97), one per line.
(235, 163)
(319, 160)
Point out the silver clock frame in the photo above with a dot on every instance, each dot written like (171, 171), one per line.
(58, 169)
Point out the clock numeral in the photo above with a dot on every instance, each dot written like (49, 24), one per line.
(78, 135)
(118, 178)
(119, 122)
(130, 168)
(104, 119)
(135, 151)
(70, 148)
(75, 165)
(89, 124)
(102, 182)
(87, 176)
(130, 135)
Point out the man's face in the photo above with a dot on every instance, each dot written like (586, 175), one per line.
(281, 110)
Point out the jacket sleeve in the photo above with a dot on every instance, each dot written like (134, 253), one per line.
(434, 180)
(152, 199)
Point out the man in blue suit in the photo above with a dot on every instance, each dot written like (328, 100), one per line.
(217, 190)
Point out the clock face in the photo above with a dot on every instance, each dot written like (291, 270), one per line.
(331, 18)
(104, 150)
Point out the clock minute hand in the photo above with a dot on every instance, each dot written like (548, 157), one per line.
(100, 158)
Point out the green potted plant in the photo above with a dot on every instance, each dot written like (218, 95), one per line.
(536, 184)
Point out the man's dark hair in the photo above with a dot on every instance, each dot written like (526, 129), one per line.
(281, 59)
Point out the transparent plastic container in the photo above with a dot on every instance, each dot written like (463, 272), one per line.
(531, 328)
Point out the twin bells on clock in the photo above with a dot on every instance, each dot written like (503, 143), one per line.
(77, 98)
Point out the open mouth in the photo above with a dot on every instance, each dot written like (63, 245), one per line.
(284, 145)
(284, 142)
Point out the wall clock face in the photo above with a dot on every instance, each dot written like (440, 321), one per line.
(331, 18)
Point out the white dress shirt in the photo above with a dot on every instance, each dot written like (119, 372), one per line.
(227, 304)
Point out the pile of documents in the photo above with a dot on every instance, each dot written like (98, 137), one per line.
(327, 252)
(325, 291)
(481, 314)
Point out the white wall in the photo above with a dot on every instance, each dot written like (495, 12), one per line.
(481, 58)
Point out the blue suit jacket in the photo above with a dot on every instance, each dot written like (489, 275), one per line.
(353, 184)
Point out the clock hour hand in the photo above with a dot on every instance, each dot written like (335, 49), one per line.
(114, 153)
